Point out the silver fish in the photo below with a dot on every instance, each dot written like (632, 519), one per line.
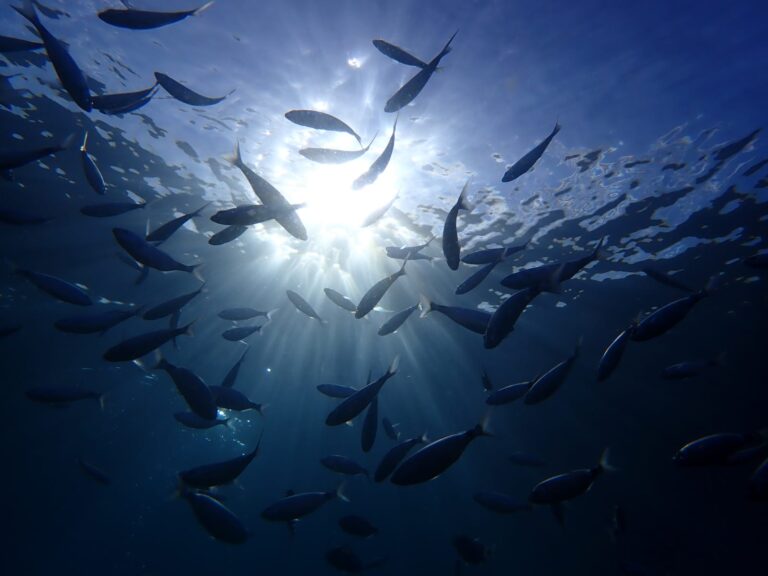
(377, 291)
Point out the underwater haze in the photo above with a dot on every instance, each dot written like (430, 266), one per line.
(393, 287)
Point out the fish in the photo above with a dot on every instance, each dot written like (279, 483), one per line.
(758, 261)
(7, 329)
(397, 320)
(71, 77)
(353, 405)
(549, 382)
(172, 306)
(250, 214)
(343, 465)
(92, 173)
(378, 213)
(238, 314)
(62, 394)
(690, 368)
(508, 394)
(336, 390)
(525, 459)
(184, 94)
(394, 456)
(377, 291)
(57, 287)
(758, 483)
(100, 322)
(345, 560)
(331, 156)
(530, 158)
(670, 315)
(666, 279)
(123, 102)
(21, 217)
(474, 320)
(303, 306)
(340, 300)
(715, 449)
(370, 426)
(295, 506)
(148, 255)
(141, 345)
(218, 473)
(9, 44)
(320, 121)
(218, 520)
(110, 209)
(612, 355)
(475, 279)
(471, 550)
(415, 85)
(135, 19)
(485, 380)
(390, 429)
(240, 333)
(270, 196)
(398, 54)
(503, 320)
(491, 255)
(15, 158)
(436, 457)
(165, 231)
(410, 252)
(451, 247)
(357, 526)
(229, 234)
(378, 166)
(231, 376)
(192, 420)
(94, 472)
(195, 392)
(499, 502)
(557, 489)
(232, 399)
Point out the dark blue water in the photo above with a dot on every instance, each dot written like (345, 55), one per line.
(660, 108)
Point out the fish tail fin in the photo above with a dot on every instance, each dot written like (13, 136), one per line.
(70, 138)
(604, 465)
(160, 362)
(425, 304)
(83, 147)
(202, 8)
(552, 282)
(711, 287)
(260, 409)
(392, 370)
(235, 158)
(484, 427)
(431, 238)
(142, 275)
(599, 252)
(196, 213)
(372, 141)
(556, 129)
(340, 494)
(100, 398)
(447, 48)
(401, 272)
(424, 438)
(196, 270)
(228, 424)
(463, 203)
(27, 10)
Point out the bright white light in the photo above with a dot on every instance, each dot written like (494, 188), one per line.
(354, 63)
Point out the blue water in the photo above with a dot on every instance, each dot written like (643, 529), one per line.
(648, 96)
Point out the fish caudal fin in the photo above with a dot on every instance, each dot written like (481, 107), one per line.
(27, 10)
(604, 465)
(392, 370)
(202, 8)
(463, 203)
(425, 304)
(340, 494)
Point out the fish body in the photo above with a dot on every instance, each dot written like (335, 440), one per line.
(238, 314)
(667, 317)
(508, 394)
(377, 291)
(141, 345)
(410, 252)
(218, 520)
(378, 213)
(336, 390)
(58, 288)
(343, 465)
(147, 254)
(229, 234)
(476, 278)
(296, 506)
(504, 318)
(353, 405)
(109, 209)
(21, 218)
(340, 300)
(612, 355)
(100, 322)
(70, 75)
(451, 247)
(251, 214)
(184, 94)
(303, 306)
(758, 261)
(15, 158)
(61, 394)
(331, 156)
(378, 166)
(232, 399)
(320, 121)
(195, 392)
(491, 255)
(390, 429)
(530, 158)
(545, 277)
(666, 279)
(435, 458)
(357, 526)
(499, 502)
(92, 172)
(134, 19)
(473, 320)
(712, 450)
(370, 426)
(398, 54)
(218, 473)
(397, 320)
(758, 483)
(9, 44)
(471, 550)
(120, 102)
(415, 85)
(172, 306)
(94, 472)
(394, 456)
(270, 196)
(558, 489)
(165, 231)
(551, 381)
(240, 333)
(689, 369)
